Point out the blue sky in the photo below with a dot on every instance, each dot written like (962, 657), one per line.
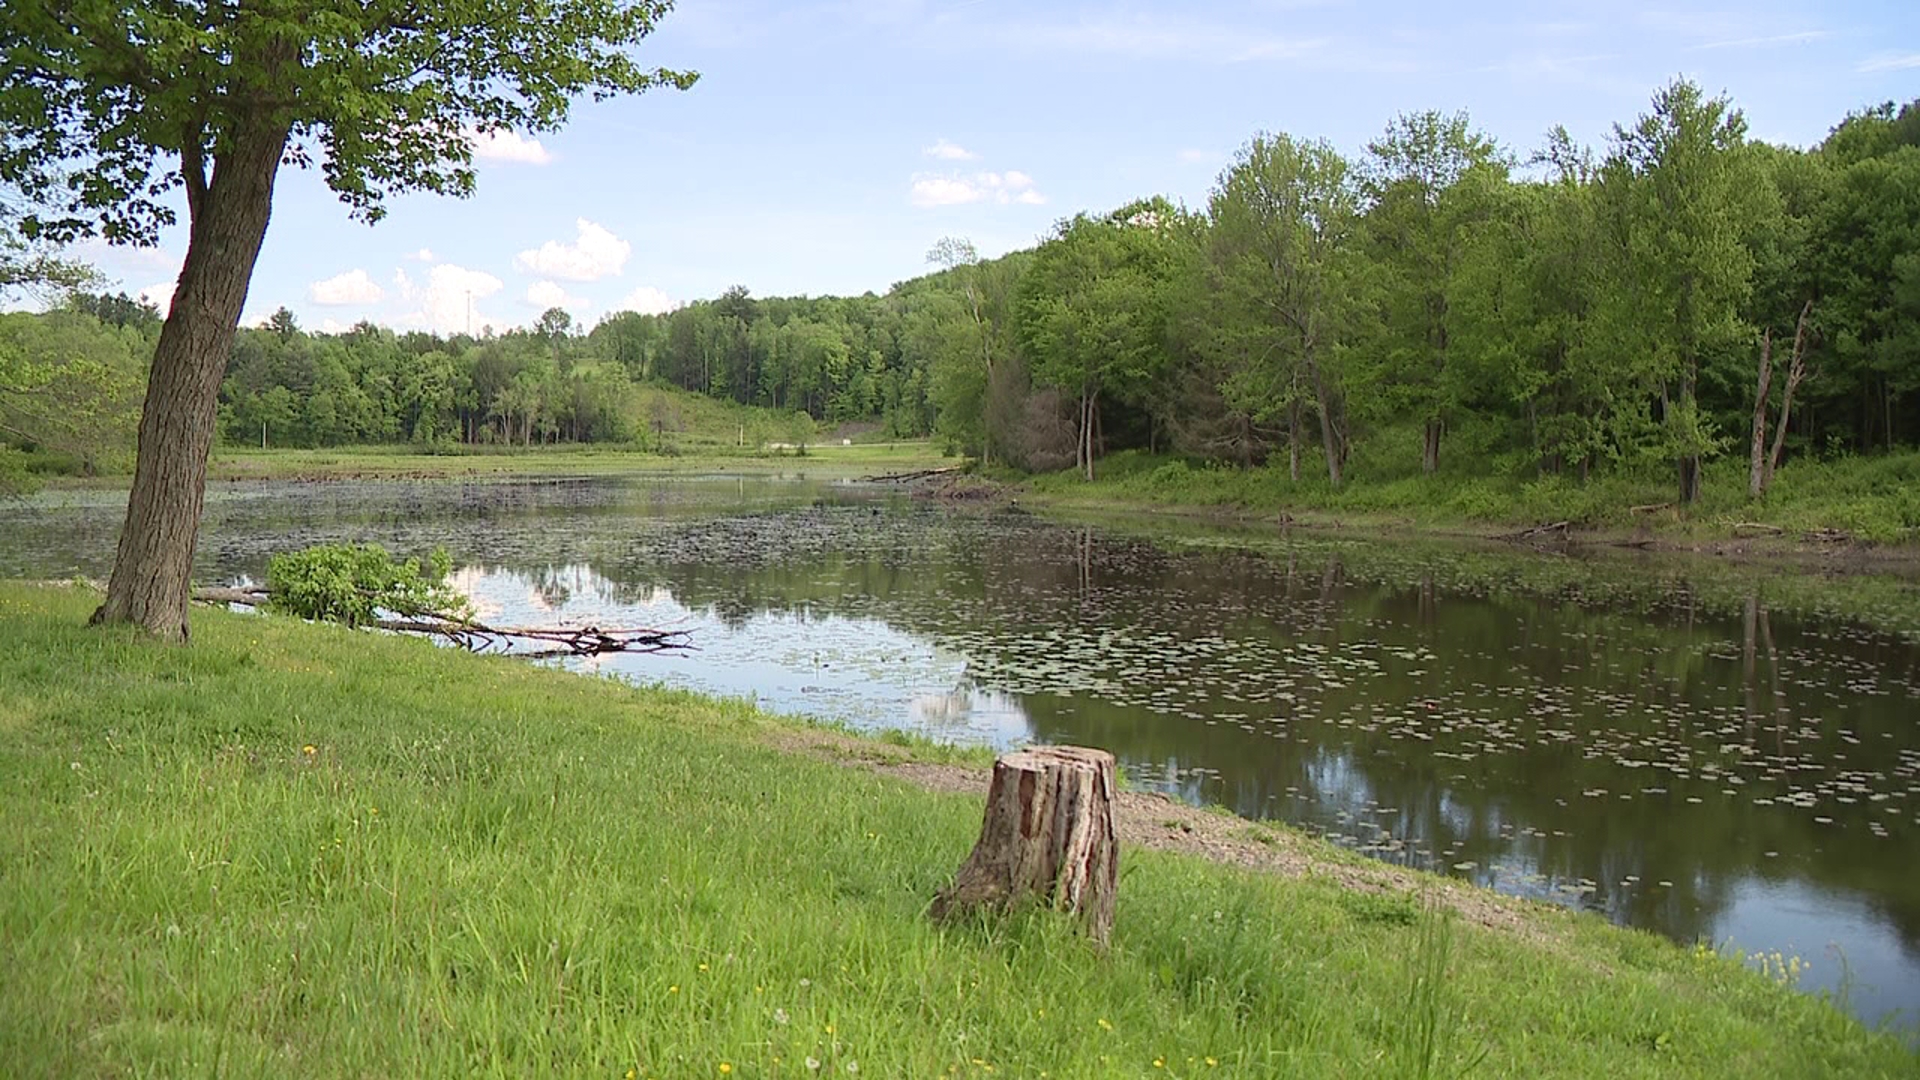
(829, 144)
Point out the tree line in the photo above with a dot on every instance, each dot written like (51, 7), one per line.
(1447, 299)
(1438, 296)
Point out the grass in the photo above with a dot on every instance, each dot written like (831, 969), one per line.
(1875, 499)
(301, 850)
(859, 459)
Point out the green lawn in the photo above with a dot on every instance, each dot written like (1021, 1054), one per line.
(289, 850)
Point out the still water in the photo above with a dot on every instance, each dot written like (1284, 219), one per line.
(1718, 754)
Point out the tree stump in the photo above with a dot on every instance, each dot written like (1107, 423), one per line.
(1048, 832)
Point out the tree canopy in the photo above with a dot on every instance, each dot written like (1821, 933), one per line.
(113, 107)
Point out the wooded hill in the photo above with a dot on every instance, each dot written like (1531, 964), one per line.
(1682, 293)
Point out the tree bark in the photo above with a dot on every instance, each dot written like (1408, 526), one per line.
(1048, 833)
(1757, 465)
(1293, 441)
(1796, 371)
(1689, 470)
(1430, 449)
(1329, 434)
(153, 566)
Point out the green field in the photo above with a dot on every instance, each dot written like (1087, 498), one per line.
(297, 850)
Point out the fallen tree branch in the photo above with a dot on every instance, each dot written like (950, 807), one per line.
(248, 597)
(476, 636)
(1757, 526)
(909, 477)
(1649, 508)
(1559, 527)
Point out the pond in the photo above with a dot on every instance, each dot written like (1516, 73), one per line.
(1712, 752)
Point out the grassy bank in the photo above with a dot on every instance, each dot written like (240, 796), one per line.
(1871, 499)
(297, 850)
(403, 462)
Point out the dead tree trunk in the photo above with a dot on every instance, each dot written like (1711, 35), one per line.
(1796, 371)
(1048, 832)
(1757, 462)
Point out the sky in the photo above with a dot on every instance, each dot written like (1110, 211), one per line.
(828, 145)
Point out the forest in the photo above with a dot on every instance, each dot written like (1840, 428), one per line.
(1681, 294)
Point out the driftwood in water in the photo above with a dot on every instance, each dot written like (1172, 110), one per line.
(477, 636)
(1558, 528)
(1048, 833)
(910, 477)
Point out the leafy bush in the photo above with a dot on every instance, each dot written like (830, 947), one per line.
(14, 477)
(355, 583)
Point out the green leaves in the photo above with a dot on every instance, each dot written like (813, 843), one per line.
(358, 584)
(385, 96)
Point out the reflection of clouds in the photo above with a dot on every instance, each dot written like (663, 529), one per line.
(471, 582)
(570, 595)
(978, 715)
(804, 660)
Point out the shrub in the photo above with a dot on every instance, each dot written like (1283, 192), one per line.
(355, 583)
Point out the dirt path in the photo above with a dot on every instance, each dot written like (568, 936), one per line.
(1152, 820)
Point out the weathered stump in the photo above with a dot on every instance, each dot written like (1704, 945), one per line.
(1048, 832)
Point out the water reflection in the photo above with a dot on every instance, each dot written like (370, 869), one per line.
(1711, 757)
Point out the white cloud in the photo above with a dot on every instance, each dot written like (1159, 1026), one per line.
(647, 300)
(1191, 156)
(1012, 186)
(160, 295)
(424, 255)
(1765, 41)
(507, 145)
(1889, 62)
(333, 326)
(546, 294)
(947, 151)
(352, 287)
(449, 304)
(596, 254)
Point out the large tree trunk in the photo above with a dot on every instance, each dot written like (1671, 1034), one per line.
(152, 569)
(1048, 833)
(1430, 449)
(1757, 459)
